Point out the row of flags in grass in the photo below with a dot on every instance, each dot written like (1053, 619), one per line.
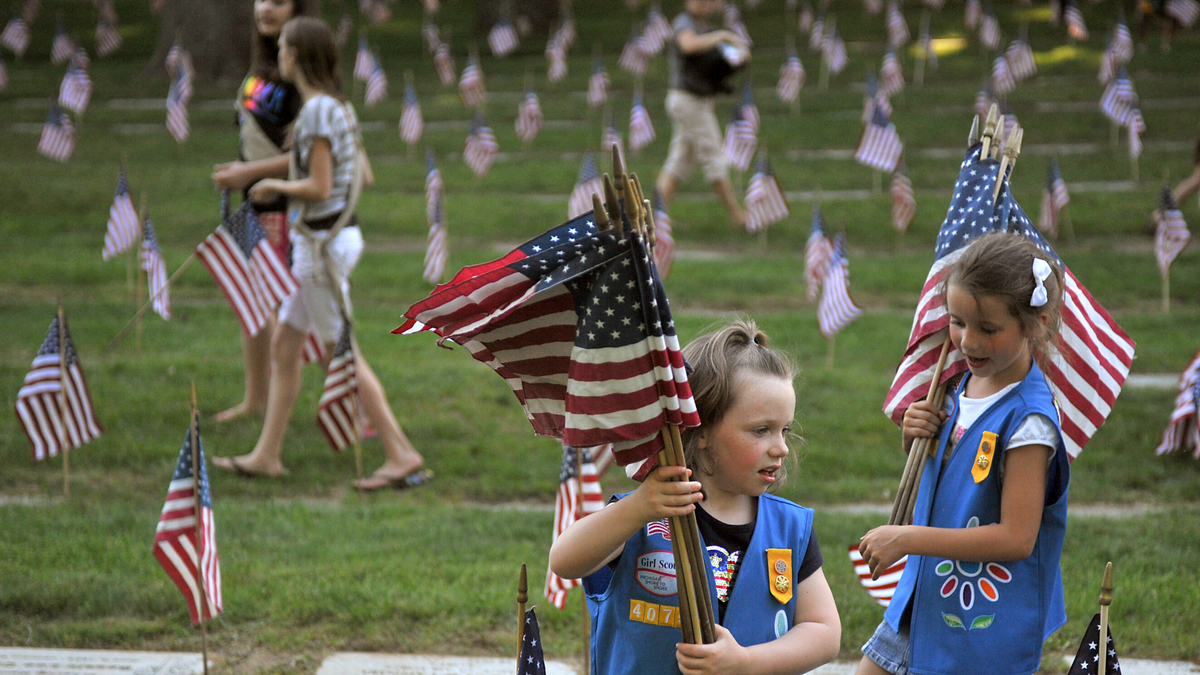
(826, 273)
(16, 37)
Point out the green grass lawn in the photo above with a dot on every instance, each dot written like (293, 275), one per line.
(310, 567)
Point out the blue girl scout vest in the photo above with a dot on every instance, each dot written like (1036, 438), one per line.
(969, 613)
(634, 608)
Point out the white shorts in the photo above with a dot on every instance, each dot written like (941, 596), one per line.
(314, 308)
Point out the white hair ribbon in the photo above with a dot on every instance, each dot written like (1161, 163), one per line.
(1041, 270)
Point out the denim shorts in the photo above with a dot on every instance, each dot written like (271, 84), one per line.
(889, 649)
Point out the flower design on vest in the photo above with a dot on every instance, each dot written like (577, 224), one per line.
(966, 583)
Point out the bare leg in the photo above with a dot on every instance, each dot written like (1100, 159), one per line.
(724, 190)
(666, 185)
(256, 351)
(869, 667)
(401, 458)
(1187, 187)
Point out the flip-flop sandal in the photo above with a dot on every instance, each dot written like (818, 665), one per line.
(242, 471)
(410, 480)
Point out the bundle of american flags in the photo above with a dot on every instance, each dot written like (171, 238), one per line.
(529, 117)
(791, 78)
(972, 14)
(58, 136)
(1054, 200)
(155, 267)
(1182, 432)
(108, 40)
(556, 57)
(364, 60)
(503, 38)
(578, 495)
(1094, 353)
(833, 50)
(597, 85)
(740, 140)
(1002, 78)
(989, 30)
(879, 147)
(62, 48)
(185, 541)
(122, 229)
(15, 35)
(635, 56)
(641, 130)
(765, 203)
(836, 309)
(1171, 235)
(904, 204)
(1184, 11)
(664, 239)
(338, 409)
(412, 124)
(1074, 18)
(897, 29)
(613, 374)
(817, 252)
(586, 185)
(248, 269)
(437, 250)
(1020, 60)
(891, 77)
(481, 146)
(470, 85)
(76, 90)
(377, 86)
(883, 588)
(443, 62)
(42, 400)
(1116, 54)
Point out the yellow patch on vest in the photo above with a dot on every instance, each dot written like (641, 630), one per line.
(983, 457)
(779, 573)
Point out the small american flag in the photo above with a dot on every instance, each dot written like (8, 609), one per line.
(1020, 60)
(1054, 199)
(586, 185)
(481, 147)
(791, 79)
(816, 33)
(765, 203)
(1137, 127)
(578, 495)
(610, 138)
(641, 130)
(805, 22)
(740, 140)
(122, 221)
(364, 60)
(972, 14)
(897, 29)
(566, 33)
(40, 399)
(664, 239)
(314, 350)
(873, 98)
(80, 59)
(156, 272)
(1172, 235)
(177, 114)
(904, 203)
(1087, 659)
(1119, 99)
(62, 48)
(1109, 64)
(935, 5)
(377, 86)
(880, 145)
(503, 38)
(749, 110)
(75, 91)
(443, 62)
(836, 309)
(345, 26)
(108, 40)
(635, 56)
(1094, 353)
(598, 84)
(190, 560)
(412, 125)
(984, 99)
(16, 35)
(58, 136)
(834, 51)
(1182, 432)
(431, 35)
(337, 412)
(179, 67)
(1002, 78)
(817, 252)
(556, 59)
(437, 250)
(1075, 26)
(883, 588)
(873, 6)
(470, 85)
(989, 31)
(376, 11)
(1184, 11)
(658, 29)
(532, 659)
(1122, 42)
(433, 184)
(891, 77)
(529, 117)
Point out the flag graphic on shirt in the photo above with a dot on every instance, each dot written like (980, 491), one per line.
(377, 86)
(578, 324)
(836, 309)
(740, 140)
(531, 660)
(1182, 432)
(470, 85)
(503, 38)
(880, 145)
(1172, 235)
(588, 183)
(598, 85)
(578, 495)
(337, 412)
(63, 47)
(904, 203)
(529, 117)
(791, 78)
(412, 124)
(891, 78)
(108, 40)
(897, 29)
(641, 130)
(883, 588)
(765, 203)
(664, 239)
(190, 557)
(1094, 356)
(58, 136)
(817, 252)
(75, 91)
(1054, 199)
(481, 146)
(40, 403)
(122, 229)
(15, 35)
(156, 272)
(1087, 659)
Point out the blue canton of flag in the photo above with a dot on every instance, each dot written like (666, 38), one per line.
(1087, 659)
(531, 661)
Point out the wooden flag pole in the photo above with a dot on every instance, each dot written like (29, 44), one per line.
(916, 454)
(63, 379)
(522, 598)
(1106, 590)
(194, 435)
(829, 344)
(1166, 292)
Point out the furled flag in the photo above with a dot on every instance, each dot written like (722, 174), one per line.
(972, 14)
(1002, 78)
(740, 140)
(1184, 11)
(40, 403)
(443, 62)
(836, 309)
(185, 542)
(531, 660)
(337, 412)
(377, 86)
(612, 375)
(1054, 199)
(1094, 355)
(664, 239)
(503, 38)
(1075, 26)
(883, 588)
(1020, 60)
(611, 137)
(345, 25)
(62, 48)
(904, 204)
(376, 11)
(248, 269)
(658, 29)
(641, 130)
(156, 272)
(1182, 432)
(635, 56)
(597, 84)
(433, 184)
(586, 185)
(75, 91)
(364, 60)
(122, 221)
(880, 145)
(1087, 659)
(765, 203)
(108, 40)
(437, 250)
(834, 51)
(579, 495)
(897, 29)
(412, 125)
(873, 98)
(817, 251)
(16, 35)
(470, 85)
(481, 146)
(58, 136)
(529, 117)
(556, 58)
(891, 78)
(1119, 100)
(177, 113)
(791, 78)
(749, 110)
(1172, 235)
(989, 30)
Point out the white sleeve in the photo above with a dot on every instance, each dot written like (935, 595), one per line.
(1037, 429)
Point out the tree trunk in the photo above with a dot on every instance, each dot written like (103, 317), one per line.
(216, 33)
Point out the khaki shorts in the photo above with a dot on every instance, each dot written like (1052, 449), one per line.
(695, 137)
(314, 308)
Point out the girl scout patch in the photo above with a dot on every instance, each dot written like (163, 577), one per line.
(779, 573)
(983, 457)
